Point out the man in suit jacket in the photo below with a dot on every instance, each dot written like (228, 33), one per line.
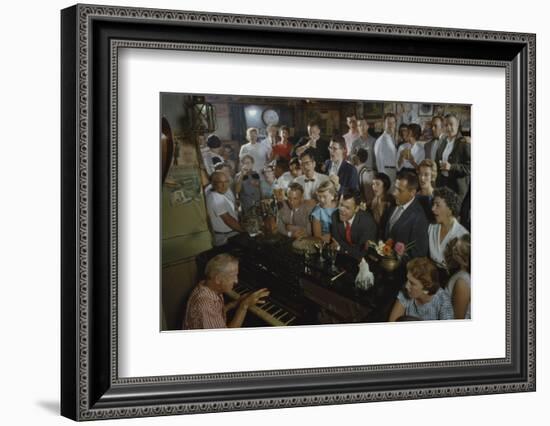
(313, 143)
(352, 227)
(431, 147)
(453, 159)
(348, 177)
(293, 218)
(406, 222)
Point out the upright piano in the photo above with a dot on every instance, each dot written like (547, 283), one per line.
(304, 289)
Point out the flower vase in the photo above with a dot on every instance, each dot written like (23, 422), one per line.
(389, 263)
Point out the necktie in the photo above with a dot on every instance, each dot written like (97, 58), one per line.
(348, 233)
(396, 215)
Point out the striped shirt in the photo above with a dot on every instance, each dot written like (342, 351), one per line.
(439, 308)
(204, 309)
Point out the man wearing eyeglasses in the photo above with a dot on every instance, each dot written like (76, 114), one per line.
(348, 178)
(220, 203)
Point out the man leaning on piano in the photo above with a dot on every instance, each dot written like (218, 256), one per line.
(206, 307)
(351, 229)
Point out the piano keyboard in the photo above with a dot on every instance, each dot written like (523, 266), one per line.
(269, 311)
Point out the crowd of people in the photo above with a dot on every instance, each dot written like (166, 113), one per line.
(350, 189)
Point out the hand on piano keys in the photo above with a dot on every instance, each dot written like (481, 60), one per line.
(254, 298)
(269, 311)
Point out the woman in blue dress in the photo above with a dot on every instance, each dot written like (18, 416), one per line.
(422, 297)
(322, 213)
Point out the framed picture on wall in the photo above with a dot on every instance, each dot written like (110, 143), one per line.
(426, 110)
(116, 361)
(373, 110)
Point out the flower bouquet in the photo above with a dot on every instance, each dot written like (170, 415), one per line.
(390, 252)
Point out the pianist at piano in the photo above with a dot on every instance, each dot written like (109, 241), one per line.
(206, 307)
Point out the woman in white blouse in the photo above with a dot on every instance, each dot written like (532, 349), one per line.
(446, 208)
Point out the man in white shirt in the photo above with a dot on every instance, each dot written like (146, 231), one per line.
(353, 134)
(310, 180)
(220, 203)
(259, 151)
(384, 148)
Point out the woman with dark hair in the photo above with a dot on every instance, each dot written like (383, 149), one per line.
(382, 199)
(402, 134)
(457, 256)
(427, 173)
(411, 153)
(446, 208)
(422, 297)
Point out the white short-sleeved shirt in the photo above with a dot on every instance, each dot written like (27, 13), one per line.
(259, 151)
(219, 204)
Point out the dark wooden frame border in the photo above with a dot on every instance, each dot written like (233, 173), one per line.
(90, 387)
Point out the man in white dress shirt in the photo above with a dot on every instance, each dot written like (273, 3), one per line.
(353, 134)
(385, 150)
(259, 151)
(310, 180)
(220, 203)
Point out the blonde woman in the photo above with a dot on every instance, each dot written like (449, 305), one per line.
(322, 213)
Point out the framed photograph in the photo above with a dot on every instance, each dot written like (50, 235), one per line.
(150, 300)
(311, 281)
(374, 109)
(426, 110)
